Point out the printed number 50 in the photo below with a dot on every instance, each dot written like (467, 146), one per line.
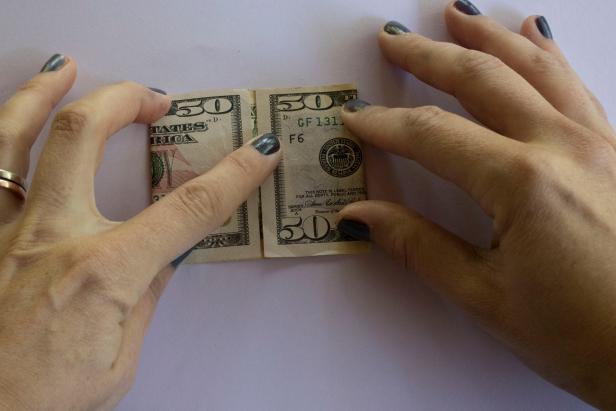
(314, 228)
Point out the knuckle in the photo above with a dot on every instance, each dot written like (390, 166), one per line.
(493, 35)
(96, 262)
(72, 120)
(242, 164)
(533, 174)
(544, 62)
(528, 167)
(409, 52)
(473, 63)
(104, 267)
(375, 115)
(424, 119)
(8, 137)
(595, 153)
(404, 246)
(127, 84)
(201, 201)
(598, 105)
(29, 243)
(35, 88)
(423, 123)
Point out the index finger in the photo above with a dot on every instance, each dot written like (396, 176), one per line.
(450, 146)
(181, 219)
(22, 117)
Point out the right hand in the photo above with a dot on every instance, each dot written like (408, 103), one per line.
(543, 166)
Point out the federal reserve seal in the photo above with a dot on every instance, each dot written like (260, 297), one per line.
(340, 157)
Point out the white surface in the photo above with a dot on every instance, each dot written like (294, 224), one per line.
(308, 334)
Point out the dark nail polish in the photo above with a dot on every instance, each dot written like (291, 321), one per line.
(54, 63)
(353, 106)
(467, 7)
(267, 144)
(544, 27)
(181, 259)
(354, 229)
(159, 91)
(393, 27)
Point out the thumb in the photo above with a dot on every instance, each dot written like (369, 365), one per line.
(448, 264)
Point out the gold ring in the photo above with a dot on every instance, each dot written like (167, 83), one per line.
(9, 176)
(14, 187)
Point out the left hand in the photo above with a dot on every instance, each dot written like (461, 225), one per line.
(77, 291)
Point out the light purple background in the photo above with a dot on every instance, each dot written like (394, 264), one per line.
(337, 333)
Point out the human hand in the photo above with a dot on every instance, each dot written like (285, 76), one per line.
(543, 166)
(77, 291)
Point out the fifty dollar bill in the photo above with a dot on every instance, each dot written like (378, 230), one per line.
(321, 170)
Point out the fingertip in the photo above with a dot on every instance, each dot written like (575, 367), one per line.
(454, 18)
(356, 115)
(351, 222)
(159, 91)
(368, 212)
(351, 211)
(544, 27)
(47, 88)
(54, 63)
(529, 29)
(72, 67)
(387, 37)
(266, 144)
(537, 29)
(397, 48)
(257, 158)
(384, 38)
(58, 68)
(164, 103)
(372, 220)
(471, 31)
(450, 10)
(466, 7)
(164, 107)
(355, 106)
(355, 229)
(395, 28)
(365, 122)
(155, 104)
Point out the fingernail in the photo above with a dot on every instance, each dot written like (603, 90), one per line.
(266, 144)
(54, 63)
(353, 106)
(354, 229)
(467, 7)
(157, 90)
(181, 259)
(544, 27)
(394, 27)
